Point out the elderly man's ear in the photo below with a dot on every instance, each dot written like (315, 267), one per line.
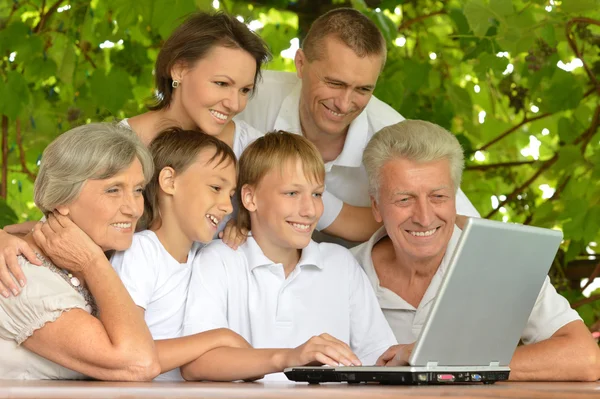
(375, 210)
(461, 220)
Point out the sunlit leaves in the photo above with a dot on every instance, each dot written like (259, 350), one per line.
(564, 92)
(7, 215)
(479, 15)
(579, 6)
(14, 94)
(112, 90)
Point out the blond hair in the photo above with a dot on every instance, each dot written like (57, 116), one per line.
(95, 151)
(178, 149)
(275, 150)
(416, 140)
(349, 26)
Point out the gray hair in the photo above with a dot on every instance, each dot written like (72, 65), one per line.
(93, 151)
(416, 140)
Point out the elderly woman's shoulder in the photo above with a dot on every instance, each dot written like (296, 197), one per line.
(45, 296)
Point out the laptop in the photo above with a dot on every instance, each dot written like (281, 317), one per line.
(480, 311)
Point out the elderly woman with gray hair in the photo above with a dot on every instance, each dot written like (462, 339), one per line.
(77, 320)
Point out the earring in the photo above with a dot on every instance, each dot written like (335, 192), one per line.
(175, 84)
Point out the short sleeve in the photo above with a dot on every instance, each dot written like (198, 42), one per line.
(370, 333)
(137, 268)
(464, 206)
(206, 306)
(332, 206)
(245, 134)
(43, 300)
(550, 312)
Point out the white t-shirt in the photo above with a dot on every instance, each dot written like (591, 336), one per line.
(550, 312)
(159, 284)
(326, 293)
(276, 107)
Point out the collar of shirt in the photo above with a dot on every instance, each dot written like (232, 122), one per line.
(288, 119)
(389, 299)
(310, 256)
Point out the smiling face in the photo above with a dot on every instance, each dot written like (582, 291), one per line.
(214, 89)
(335, 88)
(417, 206)
(202, 196)
(284, 208)
(107, 210)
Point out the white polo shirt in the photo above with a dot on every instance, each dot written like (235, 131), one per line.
(326, 293)
(550, 312)
(276, 107)
(159, 284)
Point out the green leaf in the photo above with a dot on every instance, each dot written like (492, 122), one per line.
(479, 15)
(462, 25)
(578, 6)
(17, 91)
(278, 36)
(112, 90)
(566, 130)
(7, 214)
(39, 69)
(416, 74)
(502, 7)
(548, 34)
(13, 37)
(568, 157)
(385, 24)
(460, 99)
(587, 311)
(565, 92)
(490, 62)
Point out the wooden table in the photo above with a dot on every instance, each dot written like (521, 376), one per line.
(93, 390)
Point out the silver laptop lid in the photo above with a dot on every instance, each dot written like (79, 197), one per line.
(490, 287)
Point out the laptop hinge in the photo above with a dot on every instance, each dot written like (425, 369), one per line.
(494, 364)
(432, 364)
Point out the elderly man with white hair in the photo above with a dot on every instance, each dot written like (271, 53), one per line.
(414, 170)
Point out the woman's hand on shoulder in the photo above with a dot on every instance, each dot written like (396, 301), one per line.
(66, 244)
(11, 275)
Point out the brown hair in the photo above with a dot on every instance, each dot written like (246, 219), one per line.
(273, 150)
(351, 27)
(194, 38)
(178, 149)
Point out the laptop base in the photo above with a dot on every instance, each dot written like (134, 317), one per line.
(397, 376)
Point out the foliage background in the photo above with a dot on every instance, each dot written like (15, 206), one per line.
(517, 81)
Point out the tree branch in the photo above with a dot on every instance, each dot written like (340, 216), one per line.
(573, 46)
(501, 165)
(410, 22)
(24, 167)
(47, 15)
(86, 55)
(585, 137)
(592, 277)
(585, 301)
(525, 121)
(513, 129)
(510, 197)
(4, 182)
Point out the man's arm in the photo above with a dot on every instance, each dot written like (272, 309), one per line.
(570, 354)
(353, 224)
